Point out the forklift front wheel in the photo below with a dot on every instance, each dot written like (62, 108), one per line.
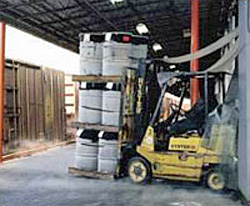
(139, 170)
(216, 181)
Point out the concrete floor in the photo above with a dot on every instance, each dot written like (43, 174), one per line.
(42, 180)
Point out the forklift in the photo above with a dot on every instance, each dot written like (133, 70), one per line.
(176, 148)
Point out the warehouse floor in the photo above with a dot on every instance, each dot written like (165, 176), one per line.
(42, 180)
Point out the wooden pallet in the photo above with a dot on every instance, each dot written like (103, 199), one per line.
(94, 175)
(96, 79)
(95, 127)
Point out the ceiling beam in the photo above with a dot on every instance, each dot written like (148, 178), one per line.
(15, 6)
(30, 15)
(97, 12)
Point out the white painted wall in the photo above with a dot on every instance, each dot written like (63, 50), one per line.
(28, 48)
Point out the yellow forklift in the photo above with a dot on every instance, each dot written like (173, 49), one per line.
(176, 148)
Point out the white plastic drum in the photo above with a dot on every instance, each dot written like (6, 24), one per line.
(108, 148)
(116, 51)
(91, 50)
(108, 153)
(115, 67)
(90, 67)
(90, 58)
(86, 150)
(139, 51)
(111, 106)
(90, 106)
(107, 165)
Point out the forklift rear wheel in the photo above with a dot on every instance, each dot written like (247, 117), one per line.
(216, 181)
(139, 170)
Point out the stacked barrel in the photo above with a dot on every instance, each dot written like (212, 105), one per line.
(116, 51)
(86, 150)
(91, 54)
(109, 54)
(107, 152)
(111, 104)
(90, 104)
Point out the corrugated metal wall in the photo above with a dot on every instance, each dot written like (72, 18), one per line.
(34, 106)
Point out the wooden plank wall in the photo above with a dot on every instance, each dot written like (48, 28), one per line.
(34, 106)
(11, 107)
(54, 105)
(31, 103)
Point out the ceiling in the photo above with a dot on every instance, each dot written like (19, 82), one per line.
(61, 21)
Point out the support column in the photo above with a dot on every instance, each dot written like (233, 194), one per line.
(2, 66)
(194, 65)
(244, 99)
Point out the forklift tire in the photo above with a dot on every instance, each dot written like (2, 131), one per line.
(139, 170)
(215, 180)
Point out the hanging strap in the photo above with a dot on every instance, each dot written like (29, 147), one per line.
(203, 52)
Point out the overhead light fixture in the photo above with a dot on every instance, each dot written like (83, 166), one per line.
(172, 66)
(142, 28)
(116, 1)
(157, 47)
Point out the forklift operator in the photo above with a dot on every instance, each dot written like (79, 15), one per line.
(194, 119)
